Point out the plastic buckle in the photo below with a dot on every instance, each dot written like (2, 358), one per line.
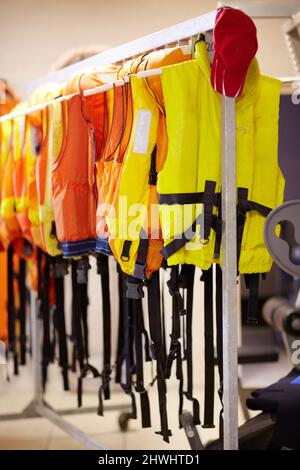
(60, 269)
(82, 268)
(134, 290)
(139, 271)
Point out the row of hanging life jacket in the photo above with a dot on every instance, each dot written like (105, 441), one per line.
(154, 142)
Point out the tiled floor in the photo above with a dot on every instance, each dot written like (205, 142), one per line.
(38, 433)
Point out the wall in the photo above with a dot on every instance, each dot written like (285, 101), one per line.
(34, 33)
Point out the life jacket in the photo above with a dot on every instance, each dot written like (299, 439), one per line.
(192, 185)
(35, 138)
(52, 131)
(9, 226)
(74, 187)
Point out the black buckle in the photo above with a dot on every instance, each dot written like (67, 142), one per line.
(134, 290)
(139, 271)
(83, 266)
(60, 268)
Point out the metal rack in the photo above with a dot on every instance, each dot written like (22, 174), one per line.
(162, 38)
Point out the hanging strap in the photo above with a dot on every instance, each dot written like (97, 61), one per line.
(139, 384)
(60, 320)
(127, 353)
(157, 350)
(45, 312)
(11, 310)
(219, 325)
(186, 282)
(177, 310)
(85, 368)
(252, 284)
(103, 270)
(120, 330)
(140, 264)
(209, 393)
(152, 181)
(22, 309)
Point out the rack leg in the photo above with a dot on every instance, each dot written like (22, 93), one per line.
(229, 267)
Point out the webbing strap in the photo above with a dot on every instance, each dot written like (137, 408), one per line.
(125, 250)
(127, 353)
(120, 330)
(252, 284)
(84, 302)
(22, 309)
(177, 310)
(153, 173)
(219, 325)
(139, 384)
(207, 277)
(140, 264)
(186, 282)
(47, 350)
(11, 310)
(157, 350)
(61, 327)
(103, 270)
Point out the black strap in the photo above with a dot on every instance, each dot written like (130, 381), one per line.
(207, 277)
(242, 194)
(139, 384)
(219, 325)
(186, 282)
(140, 264)
(153, 173)
(45, 312)
(209, 200)
(157, 350)
(177, 310)
(120, 330)
(103, 270)
(127, 353)
(61, 327)
(252, 284)
(125, 250)
(191, 198)
(11, 310)
(22, 309)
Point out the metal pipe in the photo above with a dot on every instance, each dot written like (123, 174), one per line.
(229, 268)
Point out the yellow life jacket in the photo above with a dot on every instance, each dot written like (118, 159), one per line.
(53, 135)
(190, 183)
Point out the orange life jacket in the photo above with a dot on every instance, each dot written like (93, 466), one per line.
(74, 180)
